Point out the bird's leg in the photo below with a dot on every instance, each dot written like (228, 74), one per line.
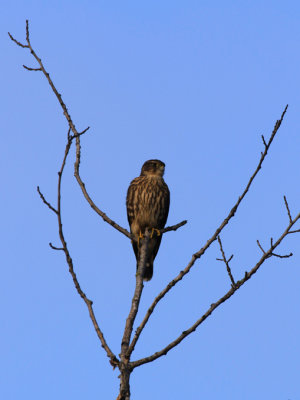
(155, 230)
(140, 236)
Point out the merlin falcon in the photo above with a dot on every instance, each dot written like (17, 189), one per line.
(148, 201)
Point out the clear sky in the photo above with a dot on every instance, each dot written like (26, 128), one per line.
(195, 84)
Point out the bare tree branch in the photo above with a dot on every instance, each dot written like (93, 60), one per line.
(173, 227)
(226, 261)
(31, 69)
(211, 240)
(125, 365)
(86, 195)
(239, 283)
(287, 208)
(80, 133)
(75, 132)
(113, 359)
(282, 256)
(25, 46)
(55, 248)
(272, 247)
(259, 245)
(137, 293)
(45, 201)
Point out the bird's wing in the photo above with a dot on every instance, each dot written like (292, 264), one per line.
(131, 204)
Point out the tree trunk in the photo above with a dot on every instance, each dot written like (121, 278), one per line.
(124, 384)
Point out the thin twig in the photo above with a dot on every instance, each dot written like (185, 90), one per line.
(25, 46)
(173, 227)
(263, 139)
(27, 32)
(45, 201)
(287, 208)
(215, 305)
(295, 231)
(31, 69)
(259, 245)
(85, 193)
(80, 133)
(56, 248)
(282, 256)
(226, 262)
(202, 251)
(272, 247)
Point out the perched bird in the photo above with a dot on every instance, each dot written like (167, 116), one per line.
(148, 200)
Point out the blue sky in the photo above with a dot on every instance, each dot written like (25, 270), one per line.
(194, 84)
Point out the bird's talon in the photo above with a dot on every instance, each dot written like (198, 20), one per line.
(140, 236)
(155, 230)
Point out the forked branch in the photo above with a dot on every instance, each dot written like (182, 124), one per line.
(113, 359)
(202, 251)
(76, 135)
(248, 275)
(72, 127)
(224, 259)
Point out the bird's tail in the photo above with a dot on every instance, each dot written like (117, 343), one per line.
(148, 273)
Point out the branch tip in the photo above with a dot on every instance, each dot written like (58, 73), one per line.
(288, 209)
(31, 69)
(45, 201)
(173, 227)
(282, 256)
(295, 231)
(264, 142)
(226, 262)
(24, 46)
(55, 248)
(259, 245)
(27, 31)
(71, 137)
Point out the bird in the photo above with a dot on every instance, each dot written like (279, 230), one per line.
(147, 202)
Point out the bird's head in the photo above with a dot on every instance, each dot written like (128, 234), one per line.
(153, 168)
